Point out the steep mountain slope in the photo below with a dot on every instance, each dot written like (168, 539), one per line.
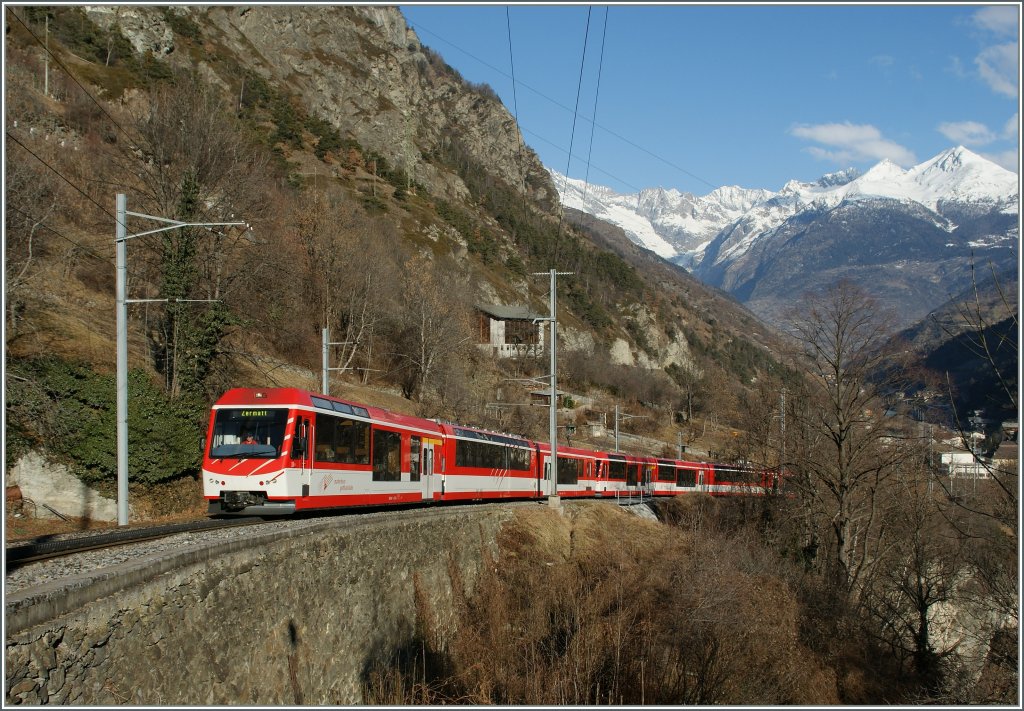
(968, 348)
(379, 183)
(360, 69)
(908, 235)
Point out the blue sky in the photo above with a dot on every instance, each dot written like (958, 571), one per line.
(696, 96)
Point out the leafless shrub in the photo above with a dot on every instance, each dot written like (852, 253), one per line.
(604, 608)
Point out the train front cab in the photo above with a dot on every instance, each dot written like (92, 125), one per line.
(313, 452)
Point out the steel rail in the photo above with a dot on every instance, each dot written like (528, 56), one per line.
(17, 555)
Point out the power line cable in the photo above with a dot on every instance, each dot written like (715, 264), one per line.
(79, 190)
(133, 144)
(557, 103)
(64, 237)
(579, 90)
(597, 91)
(572, 135)
(515, 102)
(597, 168)
(74, 79)
(61, 176)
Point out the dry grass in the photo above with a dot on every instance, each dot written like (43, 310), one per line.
(598, 606)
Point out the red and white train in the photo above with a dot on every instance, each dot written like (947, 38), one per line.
(283, 450)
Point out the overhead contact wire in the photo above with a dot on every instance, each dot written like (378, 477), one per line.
(572, 134)
(593, 124)
(563, 106)
(515, 103)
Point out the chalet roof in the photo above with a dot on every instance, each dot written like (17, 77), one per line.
(509, 313)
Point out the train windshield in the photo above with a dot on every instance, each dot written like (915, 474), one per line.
(248, 432)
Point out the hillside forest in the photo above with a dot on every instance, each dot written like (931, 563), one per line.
(887, 586)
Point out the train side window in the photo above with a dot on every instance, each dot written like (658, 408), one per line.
(687, 477)
(339, 439)
(387, 459)
(568, 470)
(617, 469)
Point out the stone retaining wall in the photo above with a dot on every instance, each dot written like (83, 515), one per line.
(285, 621)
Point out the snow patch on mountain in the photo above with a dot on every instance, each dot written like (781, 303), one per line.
(672, 224)
(605, 204)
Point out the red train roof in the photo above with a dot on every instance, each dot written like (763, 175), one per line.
(296, 397)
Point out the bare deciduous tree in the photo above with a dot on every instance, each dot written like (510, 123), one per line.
(433, 323)
(915, 573)
(842, 336)
(29, 204)
(193, 163)
(348, 262)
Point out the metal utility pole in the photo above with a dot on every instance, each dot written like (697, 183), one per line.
(121, 268)
(782, 428)
(553, 412)
(325, 368)
(46, 60)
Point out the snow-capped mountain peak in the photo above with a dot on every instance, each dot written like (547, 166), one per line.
(905, 234)
(959, 175)
(681, 226)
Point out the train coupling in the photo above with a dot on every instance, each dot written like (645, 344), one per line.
(238, 500)
(249, 503)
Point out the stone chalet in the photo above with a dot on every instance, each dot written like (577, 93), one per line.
(510, 331)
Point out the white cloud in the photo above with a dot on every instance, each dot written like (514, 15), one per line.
(1002, 20)
(882, 60)
(846, 143)
(1010, 130)
(956, 67)
(968, 133)
(998, 66)
(1007, 159)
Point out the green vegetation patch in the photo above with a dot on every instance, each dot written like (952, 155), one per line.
(69, 411)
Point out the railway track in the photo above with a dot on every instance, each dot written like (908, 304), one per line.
(18, 555)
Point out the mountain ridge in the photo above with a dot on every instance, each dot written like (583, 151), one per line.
(741, 240)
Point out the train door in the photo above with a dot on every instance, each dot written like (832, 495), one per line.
(428, 470)
(539, 468)
(700, 480)
(302, 449)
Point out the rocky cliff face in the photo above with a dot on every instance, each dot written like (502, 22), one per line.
(363, 70)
